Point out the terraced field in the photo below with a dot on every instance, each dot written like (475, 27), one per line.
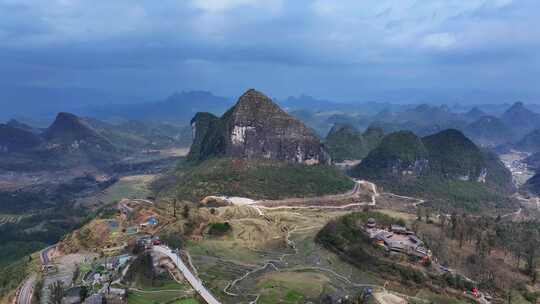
(9, 218)
(288, 268)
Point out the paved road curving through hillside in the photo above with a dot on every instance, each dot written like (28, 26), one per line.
(190, 277)
(24, 295)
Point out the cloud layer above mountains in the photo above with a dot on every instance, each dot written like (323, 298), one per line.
(334, 49)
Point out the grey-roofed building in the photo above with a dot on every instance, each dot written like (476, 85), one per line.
(96, 298)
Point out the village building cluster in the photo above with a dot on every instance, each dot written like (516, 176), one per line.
(397, 239)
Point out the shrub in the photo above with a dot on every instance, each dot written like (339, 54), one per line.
(219, 228)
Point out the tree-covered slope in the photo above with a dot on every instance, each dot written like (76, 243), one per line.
(399, 154)
(344, 142)
(452, 155)
(256, 179)
(446, 166)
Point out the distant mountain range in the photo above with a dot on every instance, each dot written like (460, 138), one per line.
(487, 125)
(74, 141)
(42, 104)
(178, 108)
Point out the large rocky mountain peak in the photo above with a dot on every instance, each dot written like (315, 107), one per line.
(256, 127)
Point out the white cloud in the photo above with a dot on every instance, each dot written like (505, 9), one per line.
(441, 41)
(218, 6)
(502, 3)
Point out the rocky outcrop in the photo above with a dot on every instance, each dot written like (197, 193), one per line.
(256, 127)
(200, 126)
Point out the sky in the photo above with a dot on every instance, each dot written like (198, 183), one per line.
(343, 50)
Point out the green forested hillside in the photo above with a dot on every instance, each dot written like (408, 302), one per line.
(445, 167)
(344, 142)
(256, 179)
(399, 151)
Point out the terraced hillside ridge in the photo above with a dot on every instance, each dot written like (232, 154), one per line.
(345, 142)
(254, 128)
(446, 166)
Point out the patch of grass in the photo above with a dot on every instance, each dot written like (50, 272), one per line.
(167, 285)
(137, 297)
(188, 301)
(291, 287)
(224, 249)
(293, 296)
(407, 217)
(131, 187)
(439, 299)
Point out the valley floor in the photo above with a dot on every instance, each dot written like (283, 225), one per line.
(270, 255)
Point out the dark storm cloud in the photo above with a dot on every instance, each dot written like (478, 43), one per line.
(337, 49)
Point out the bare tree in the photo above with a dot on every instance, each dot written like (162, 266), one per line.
(57, 292)
(185, 211)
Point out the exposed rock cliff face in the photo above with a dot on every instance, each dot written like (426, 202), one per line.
(200, 126)
(256, 128)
